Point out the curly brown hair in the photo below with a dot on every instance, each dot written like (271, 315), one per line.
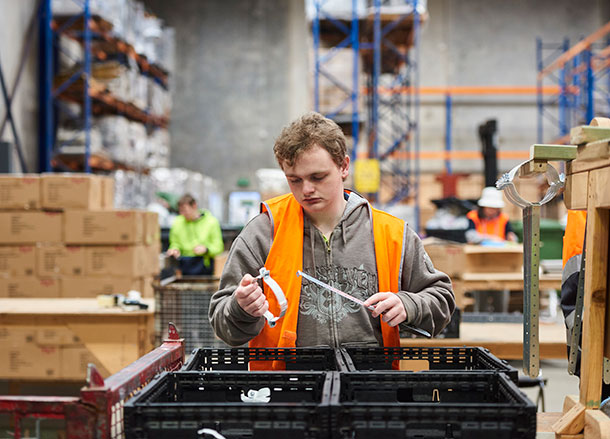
(303, 133)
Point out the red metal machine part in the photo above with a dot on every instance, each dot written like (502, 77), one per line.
(98, 412)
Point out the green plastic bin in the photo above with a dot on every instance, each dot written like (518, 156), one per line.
(551, 237)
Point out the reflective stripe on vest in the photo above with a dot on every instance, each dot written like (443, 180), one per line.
(283, 262)
(492, 227)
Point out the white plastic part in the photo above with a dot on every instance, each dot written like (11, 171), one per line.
(265, 275)
(257, 396)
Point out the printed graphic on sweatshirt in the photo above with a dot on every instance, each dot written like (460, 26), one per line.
(321, 304)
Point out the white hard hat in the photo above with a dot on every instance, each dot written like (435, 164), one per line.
(491, 197)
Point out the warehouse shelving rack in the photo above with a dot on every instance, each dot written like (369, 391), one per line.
(582, 74)
(386, 41)
(81, 87)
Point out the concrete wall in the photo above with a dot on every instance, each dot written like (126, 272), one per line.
(474, 42)
(242, 75)
(15, 17)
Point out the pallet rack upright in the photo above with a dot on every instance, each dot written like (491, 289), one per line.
(390, 61)
(582, 73)
(86, 28)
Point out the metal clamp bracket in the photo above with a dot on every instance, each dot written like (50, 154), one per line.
(531, 253)
(265, 275)
(555, 180)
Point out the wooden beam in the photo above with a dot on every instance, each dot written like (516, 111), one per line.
(576, 189)
(596, 276)
(532, 167)
(586, 134)
(598, 150)
(602, 187)
(597, 425)
(572, 422)
(553, 152)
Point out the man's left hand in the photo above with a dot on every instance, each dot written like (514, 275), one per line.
(389, 306)
(200, 249)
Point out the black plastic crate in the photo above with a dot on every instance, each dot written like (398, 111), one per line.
(430, 405)
(438, 358)
(320, 358)
(178, 404)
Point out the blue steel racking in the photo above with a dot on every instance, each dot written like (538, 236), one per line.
(392, 94)
(580, 72)
(48, 95)
(51, 96)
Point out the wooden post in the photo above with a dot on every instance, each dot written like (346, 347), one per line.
(596, 277)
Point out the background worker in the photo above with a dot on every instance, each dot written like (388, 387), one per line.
(195, 238)
(488, 222)
(489, 225)
(335, 236)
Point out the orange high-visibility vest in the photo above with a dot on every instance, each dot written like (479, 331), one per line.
(574, 235)
(286, 257)
(493, 227)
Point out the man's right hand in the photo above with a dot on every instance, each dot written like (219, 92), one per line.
(250, 297)
(173, 252)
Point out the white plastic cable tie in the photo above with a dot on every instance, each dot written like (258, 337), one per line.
(257, 396)
(211, 432)
(265, 275)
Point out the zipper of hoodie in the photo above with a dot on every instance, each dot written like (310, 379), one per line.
(329, 259)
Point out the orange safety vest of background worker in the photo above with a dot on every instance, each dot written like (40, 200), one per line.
(574, 236)
(286, 257)
(489, 222)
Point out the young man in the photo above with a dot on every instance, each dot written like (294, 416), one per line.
(335, 236)
(195, 238)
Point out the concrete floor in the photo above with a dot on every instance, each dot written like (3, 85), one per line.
(559, 383)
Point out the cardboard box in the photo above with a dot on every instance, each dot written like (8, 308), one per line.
(146, 287)
(117, 227)
(19, 192)
(18, 260)
(71, 191)
(119, 260)
(56, 335)
(54, 260)
(91, 287)
(75, 360)
(51, 339)
(30, 227)
(219, 263)
(30, 287)
(482, 259)
(107, 192)
(446, 257)
(22, 357)
(152, 230)
(152, 265)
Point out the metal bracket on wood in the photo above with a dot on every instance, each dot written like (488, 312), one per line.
(531, 249)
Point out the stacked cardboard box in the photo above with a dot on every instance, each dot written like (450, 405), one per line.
(49, 339)
(61, 237)
(61, 245)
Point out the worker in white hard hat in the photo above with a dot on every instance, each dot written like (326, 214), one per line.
(488, 222)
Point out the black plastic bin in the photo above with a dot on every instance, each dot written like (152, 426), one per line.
(430, 405)
(179, 404)
(438, 358)
(320, 358)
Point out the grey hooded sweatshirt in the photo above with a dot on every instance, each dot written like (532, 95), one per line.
(346, 260)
